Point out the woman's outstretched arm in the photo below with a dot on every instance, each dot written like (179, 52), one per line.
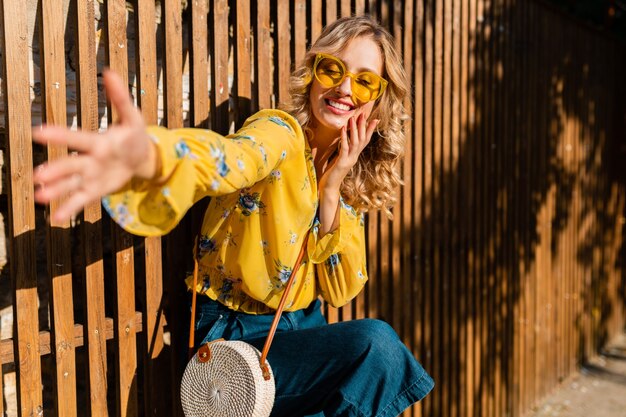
(104, 163)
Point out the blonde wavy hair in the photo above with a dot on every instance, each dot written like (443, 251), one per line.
(373, 180)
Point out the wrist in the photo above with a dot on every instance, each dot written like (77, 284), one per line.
(150, 168)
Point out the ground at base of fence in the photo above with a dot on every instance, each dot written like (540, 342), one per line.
(598, 390)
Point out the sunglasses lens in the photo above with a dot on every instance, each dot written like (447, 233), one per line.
(366, 86)
(329, 72)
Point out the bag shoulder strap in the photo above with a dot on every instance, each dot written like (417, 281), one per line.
(277, 315)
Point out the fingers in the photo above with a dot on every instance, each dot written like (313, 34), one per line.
(117, 92)
(54, 171)
(59, 188)
(371, 127)
(58, 135)
(73, 205)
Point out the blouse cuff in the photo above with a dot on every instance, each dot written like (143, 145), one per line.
(154, 207)
(320, 249)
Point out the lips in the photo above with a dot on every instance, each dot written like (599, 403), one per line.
(338, 106)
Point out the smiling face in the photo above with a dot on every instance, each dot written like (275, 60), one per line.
(332, 107)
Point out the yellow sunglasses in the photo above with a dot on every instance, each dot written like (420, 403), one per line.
(330, 71)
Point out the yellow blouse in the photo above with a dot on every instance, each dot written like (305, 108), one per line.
(264, 188)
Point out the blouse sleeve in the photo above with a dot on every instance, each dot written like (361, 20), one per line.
(339, 258)
(196, 163)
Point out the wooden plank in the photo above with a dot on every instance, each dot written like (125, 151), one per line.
(398, 223)
(107, 332)
(465, 359)
(316, 19)
(427, 220)
(489, 201)
(359, 7)
(173, 85)
(87, 89)
(219, 61)
(263, 69)
(437, 210)
(243, 64)
(447, 321)
(417, 237)
(52, 32)
(199, 55)
(372, 263)
(283, 50)
(331, 12)
(154, 402)
(408, 273)
(21, 217)
(126, 350)
(473, 355)
(299, 31)
(509, 350)
(345, 8)
(173, 68)
(456, 253)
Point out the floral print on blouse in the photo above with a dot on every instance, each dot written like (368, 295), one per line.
(264, 199)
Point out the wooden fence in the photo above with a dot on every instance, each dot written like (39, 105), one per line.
(503, 269)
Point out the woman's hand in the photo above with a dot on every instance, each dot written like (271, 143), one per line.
(104, 163)
(351, 144)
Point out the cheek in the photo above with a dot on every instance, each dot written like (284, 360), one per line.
(367, 109)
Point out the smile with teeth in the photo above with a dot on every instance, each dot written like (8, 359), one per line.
(338, 105)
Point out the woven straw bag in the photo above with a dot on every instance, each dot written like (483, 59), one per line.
(231, 378)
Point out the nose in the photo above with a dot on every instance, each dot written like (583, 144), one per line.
(345, 87)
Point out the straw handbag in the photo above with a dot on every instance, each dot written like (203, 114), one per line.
(231, 378)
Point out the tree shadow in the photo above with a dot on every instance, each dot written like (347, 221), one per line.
(501, 231)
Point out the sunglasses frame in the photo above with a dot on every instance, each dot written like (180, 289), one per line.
(320, 56)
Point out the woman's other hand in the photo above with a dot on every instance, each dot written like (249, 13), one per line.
(104, 162)
(351, 144)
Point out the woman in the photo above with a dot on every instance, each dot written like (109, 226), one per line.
(319, 166)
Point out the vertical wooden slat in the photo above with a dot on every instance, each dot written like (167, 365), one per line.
(472, 331)
(126, 365)
(199, 55)
(59, 256)
(331, 12)
(437, 207)
(283, 50)
(428, 170)
(173, 100)
(316, 19)
(456, 253)
(263, 69)
(464, 288)
(21, 207)
(1, 388)
(147, 99)
(87, 89)
(446, 200)
(359, 7)
(345, 8)
(398, 220)
(509, 351)
(299, 31)
(219, 62)
(489, 201)
(408, 220)
(243, 63)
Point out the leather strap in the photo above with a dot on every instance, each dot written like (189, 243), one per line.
(277, 315)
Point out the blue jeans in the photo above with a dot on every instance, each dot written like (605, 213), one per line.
(354, 368)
